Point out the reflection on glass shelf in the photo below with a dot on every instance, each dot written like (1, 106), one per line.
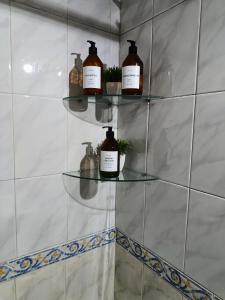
(125, 176)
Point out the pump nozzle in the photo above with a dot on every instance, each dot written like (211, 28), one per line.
(89, 148)
(92, 49)
(78, 60)
(133, 47)
(110, 132)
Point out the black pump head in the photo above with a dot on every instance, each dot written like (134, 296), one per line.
(92, 49)
(133, 47)
(109, 133)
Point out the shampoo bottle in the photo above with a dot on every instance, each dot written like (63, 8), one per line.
(92, 72)
(76, 77)
(109, 156)
(132, 72)
(88, 168)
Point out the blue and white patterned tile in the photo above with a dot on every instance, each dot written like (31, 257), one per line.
(40, 63)
(170, 274)
(37, 123)
(174, 61)
(155, 288)
(165, 221)
(170, 137)
(162, 5)
(5, 52)
(211, 76)
(47, 283)
(20, 266)
(205, 257)
(143, 37)
(208, 164)
(41, 213)
(7, 290)
(97, 267)
(7, 220)
(135, 12)
(6, 138)
(128, 276)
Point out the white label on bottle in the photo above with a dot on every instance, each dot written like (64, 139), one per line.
(131, 77)
(109, 161)
(91, 77)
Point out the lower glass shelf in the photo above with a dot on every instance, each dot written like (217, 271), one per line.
(125, 176)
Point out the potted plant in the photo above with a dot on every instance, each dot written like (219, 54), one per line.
(123, 149)
(124, 146)
(113, 79)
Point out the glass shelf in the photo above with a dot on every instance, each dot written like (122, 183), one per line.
(102, 109)
(115, 100)
(125, 176)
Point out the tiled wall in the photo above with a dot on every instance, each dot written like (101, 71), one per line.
(38, 138)
(181, 216)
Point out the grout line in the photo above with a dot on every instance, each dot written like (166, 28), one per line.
(192, 140)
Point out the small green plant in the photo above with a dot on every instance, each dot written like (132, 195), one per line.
(113, 74)
(124, 146)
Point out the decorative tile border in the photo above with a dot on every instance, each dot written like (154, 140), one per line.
(29, 263)
(180, 281)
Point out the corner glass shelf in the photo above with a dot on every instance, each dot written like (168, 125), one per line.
(125, 176)
(102, 109)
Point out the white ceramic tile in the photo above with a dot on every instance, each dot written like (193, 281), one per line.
(7, 221)
(134, 12)
(128, 278)
(91, 215)
(39, 51)
(95, 13)
(162, 5)
(205, 255)
(170, 136)
(143, 37)
(208, 149)
(155, 288)
(58, 7)
(211, 76)
(40, 136)
(115, 15)
(165, 221)
(174, 56)
(91, 275)
(41, 213)
(6, 138)
(47, 284)
(130, 209)
(7, 290)
(106, 43)
(5, 54)
(132, 124)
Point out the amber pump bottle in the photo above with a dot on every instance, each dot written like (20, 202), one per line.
(92, 72)
(109, 156)
(132, 72)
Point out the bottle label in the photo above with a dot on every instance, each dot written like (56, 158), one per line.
(91, 77)
(131, 77)
(109, 161)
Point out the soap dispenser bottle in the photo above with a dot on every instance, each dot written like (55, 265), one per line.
(76, 77)
(92, 72)
(132, 72)
(88, 168)
(109, 156)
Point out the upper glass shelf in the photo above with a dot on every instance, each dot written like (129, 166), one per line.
(102, 109)
(125, 176)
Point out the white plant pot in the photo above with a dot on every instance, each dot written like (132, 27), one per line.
(113, 88)
(122, 161)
